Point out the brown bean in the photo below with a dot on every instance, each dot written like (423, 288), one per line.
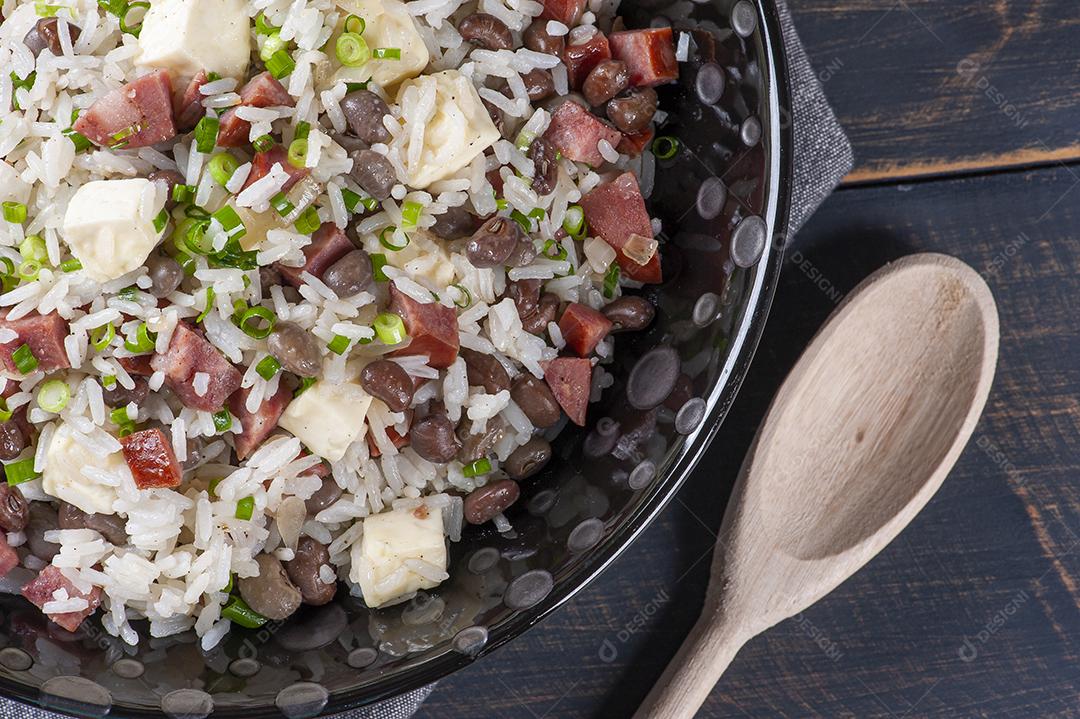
(350, 275)
(432, 437)
(485, 371)
(12, 440)
(538, 84)
(493, 242)
(269, 276)
(536, 400)
(165, 274)
(110, 526)
(271, 594)
(483, 503)
(455, 223)
(479, 444)
(324, 496)
(605, 81)
(388, 381)
(546, 311)
(526, 296)
(528, 459)
(295, 348)
(46, 34)
(303, 570)
(629, 313)
(523, 254)
(498, 118)
(14, 510)
(545, 166)
(537, 39)
(364, 112)
(120, 396)
(374, 173)
(43, 519)
(633, 111)
(168, 179)
(487, 31)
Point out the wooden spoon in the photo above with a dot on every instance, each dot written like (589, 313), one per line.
(860, 436)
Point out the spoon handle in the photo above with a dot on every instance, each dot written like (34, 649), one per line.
(700, 662)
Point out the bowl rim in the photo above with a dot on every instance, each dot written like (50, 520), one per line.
(721, 397)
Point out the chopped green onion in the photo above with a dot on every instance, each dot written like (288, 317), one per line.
(236, 257)
(144, 340)
(44, 9)
(298, 153)
(523, 220)
(665, 147)
(183, 193)
(53, 396)
(82, 142)
(272, 44)
(339, 345)
(303, 130)
(386, 239)
(351, 199)
(378, 262)
(559, 251)
(305, 383)
(390, 329)
(21, 84)
(611, 280)
(209, 305)
(129, 293)
(70, 265)
(268, 367)
(21, 471)
(9, 266)
(280, 64)
(354, 86)
(537, 213)
(193, 233)
(524, 139)
(24, 360)
(33, 248)
(136, 28)
(222, 420)
(263, 143)
(352, 50)
(5, 412)
(250, 322)
(308, 221)
(161, 221)
(386, 53)
(230, 222)
(102, 337)
(238, 612)
(227, 589)
(501, 204)
(187, 262)
(466, 296)
(108, 381)
(206, 133)
(14, 212)
(222, 166)
(245, 508)
(196, 213)
(281, 204)
(263, 26)
(119, 139)
(574, 221)
(29, 270)
(356, 24)
(477, 468)
(410, 214)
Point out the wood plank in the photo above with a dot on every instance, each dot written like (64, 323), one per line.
(934, 88)
(972, 611)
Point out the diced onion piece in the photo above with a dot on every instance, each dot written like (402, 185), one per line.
(640, 249)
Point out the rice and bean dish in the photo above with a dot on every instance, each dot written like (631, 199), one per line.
(294, 289)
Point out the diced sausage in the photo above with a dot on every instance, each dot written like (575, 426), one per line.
(328, 245)
(9, 559)
(263, 90)
(634, 143)
(187, 106)
(616, 211)
(190, 353)
(432, 327)
(256, 426)
(277, 155)
(568, 12)
(649, 55)
(44, 334)
(574, 131)
(138, 114)
(40, 589)
(139, 365)
(398, 441)
(150, 457)
(582, 328)
(570, 380)
(581, 59)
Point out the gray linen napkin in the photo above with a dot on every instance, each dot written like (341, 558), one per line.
(822, 157)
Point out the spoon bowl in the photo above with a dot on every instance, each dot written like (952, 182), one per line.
(859, 438)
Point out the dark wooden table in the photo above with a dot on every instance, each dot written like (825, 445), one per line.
(965, 118)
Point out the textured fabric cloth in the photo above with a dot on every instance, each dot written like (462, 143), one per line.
(822, 156)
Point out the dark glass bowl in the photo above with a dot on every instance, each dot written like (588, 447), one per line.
(723, 198)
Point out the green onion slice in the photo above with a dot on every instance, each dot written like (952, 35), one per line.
(21, 471)
(280, 64)
(386, 53)
(386, 239)
(272, 44)
(410, 214)
(144, 340)
(24, 360)
(222, 166)
(263, 143)
(305, 383)
(238, 612)
(14, 212)
(209, 305)
(477, 468)
(378, 262)
(298, 150)
(352, 50)
(53, 396)
(308, 221)
(390, 329)
(339, 345)
(102, 337)
(230, 222)
(465, 297)
(5, 412)
(206, 133)
(611, 280)
(257, 322)
(554, 251)
(33, 248)
(268, 367)
(183, 193)
(245, 508)
(303, 130)
(222, 420)
(574, 221)
(665, 147)
(356, 24)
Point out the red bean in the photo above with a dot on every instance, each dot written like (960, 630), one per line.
(482, 504)
(537, 39)
(605, 81)
(487, 31)
(536, 400)
(634, 110)
(433, 438)
(388, 381)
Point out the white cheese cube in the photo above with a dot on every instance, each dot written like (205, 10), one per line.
(459, 130)
(390, 539)
(327, 417)
(63, 478)
(186, 36)
(388, 25)
(109, 225)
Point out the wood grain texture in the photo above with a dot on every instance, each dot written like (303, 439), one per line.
(973, 611)
(926, 87)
